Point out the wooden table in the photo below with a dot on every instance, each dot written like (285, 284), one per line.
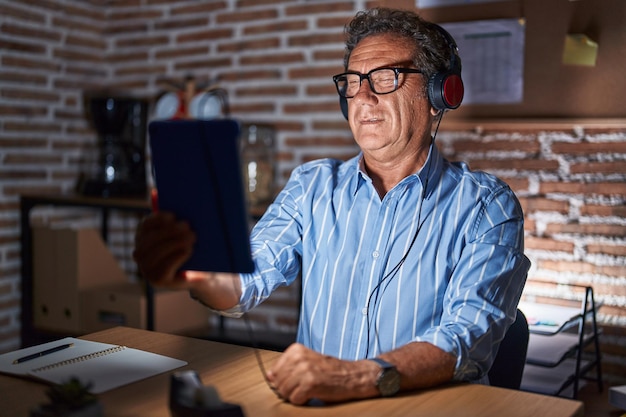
(234, 372)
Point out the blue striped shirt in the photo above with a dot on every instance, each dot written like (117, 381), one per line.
(458, 287)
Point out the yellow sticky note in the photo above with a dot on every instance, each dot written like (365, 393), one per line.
(580, 50)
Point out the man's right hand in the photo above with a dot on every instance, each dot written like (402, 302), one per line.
(162, 245)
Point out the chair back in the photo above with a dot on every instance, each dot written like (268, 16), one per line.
(508, 366)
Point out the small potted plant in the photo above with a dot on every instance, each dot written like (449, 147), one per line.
(70, 399)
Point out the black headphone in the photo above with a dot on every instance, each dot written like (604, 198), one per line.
(445, 88)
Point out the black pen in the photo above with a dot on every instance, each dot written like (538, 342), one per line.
(42, 353)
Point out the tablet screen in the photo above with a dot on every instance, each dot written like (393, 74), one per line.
(198, 177)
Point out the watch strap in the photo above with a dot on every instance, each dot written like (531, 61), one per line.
(383, 364)
(388, 382)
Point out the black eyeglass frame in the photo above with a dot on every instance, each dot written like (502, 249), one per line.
(397, 71)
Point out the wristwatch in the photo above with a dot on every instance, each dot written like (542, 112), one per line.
(388, 381)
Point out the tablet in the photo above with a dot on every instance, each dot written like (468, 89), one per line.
(198, 177)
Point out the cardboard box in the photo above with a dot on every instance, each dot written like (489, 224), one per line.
(125, 305)
(67, 260)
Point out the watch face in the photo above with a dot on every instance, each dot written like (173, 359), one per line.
(389, 382)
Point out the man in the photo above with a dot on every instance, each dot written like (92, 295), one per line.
(405, 257)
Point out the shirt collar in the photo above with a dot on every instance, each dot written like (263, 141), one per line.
(427, 175)
(430, 173)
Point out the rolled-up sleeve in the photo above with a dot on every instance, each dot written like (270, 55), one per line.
(481, 298)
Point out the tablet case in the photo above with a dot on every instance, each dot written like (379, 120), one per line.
(198, 177)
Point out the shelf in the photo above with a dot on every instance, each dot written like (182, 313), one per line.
(141, 206)
(553, 381)
(551, 350)
(549, 319)
(478, 124)
(556, 361)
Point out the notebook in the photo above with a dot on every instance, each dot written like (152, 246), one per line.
(104, 366)
(198, 177)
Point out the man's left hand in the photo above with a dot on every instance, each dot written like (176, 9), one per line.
(301, 374)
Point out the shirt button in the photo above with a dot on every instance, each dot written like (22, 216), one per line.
(375, 254)
(364, 311)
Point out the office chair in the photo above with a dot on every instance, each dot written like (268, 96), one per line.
(508, 366)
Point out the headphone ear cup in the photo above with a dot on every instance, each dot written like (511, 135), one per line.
(445, 88)
(343, 103)
(445, 91)
(435, 95)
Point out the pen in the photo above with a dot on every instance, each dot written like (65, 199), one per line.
(42, 353)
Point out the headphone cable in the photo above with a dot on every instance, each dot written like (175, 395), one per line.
(397, 267)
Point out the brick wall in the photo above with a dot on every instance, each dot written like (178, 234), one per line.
(275, 59)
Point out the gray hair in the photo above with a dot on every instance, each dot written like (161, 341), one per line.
(431, 53)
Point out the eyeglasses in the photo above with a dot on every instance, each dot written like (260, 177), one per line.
(381, 80)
